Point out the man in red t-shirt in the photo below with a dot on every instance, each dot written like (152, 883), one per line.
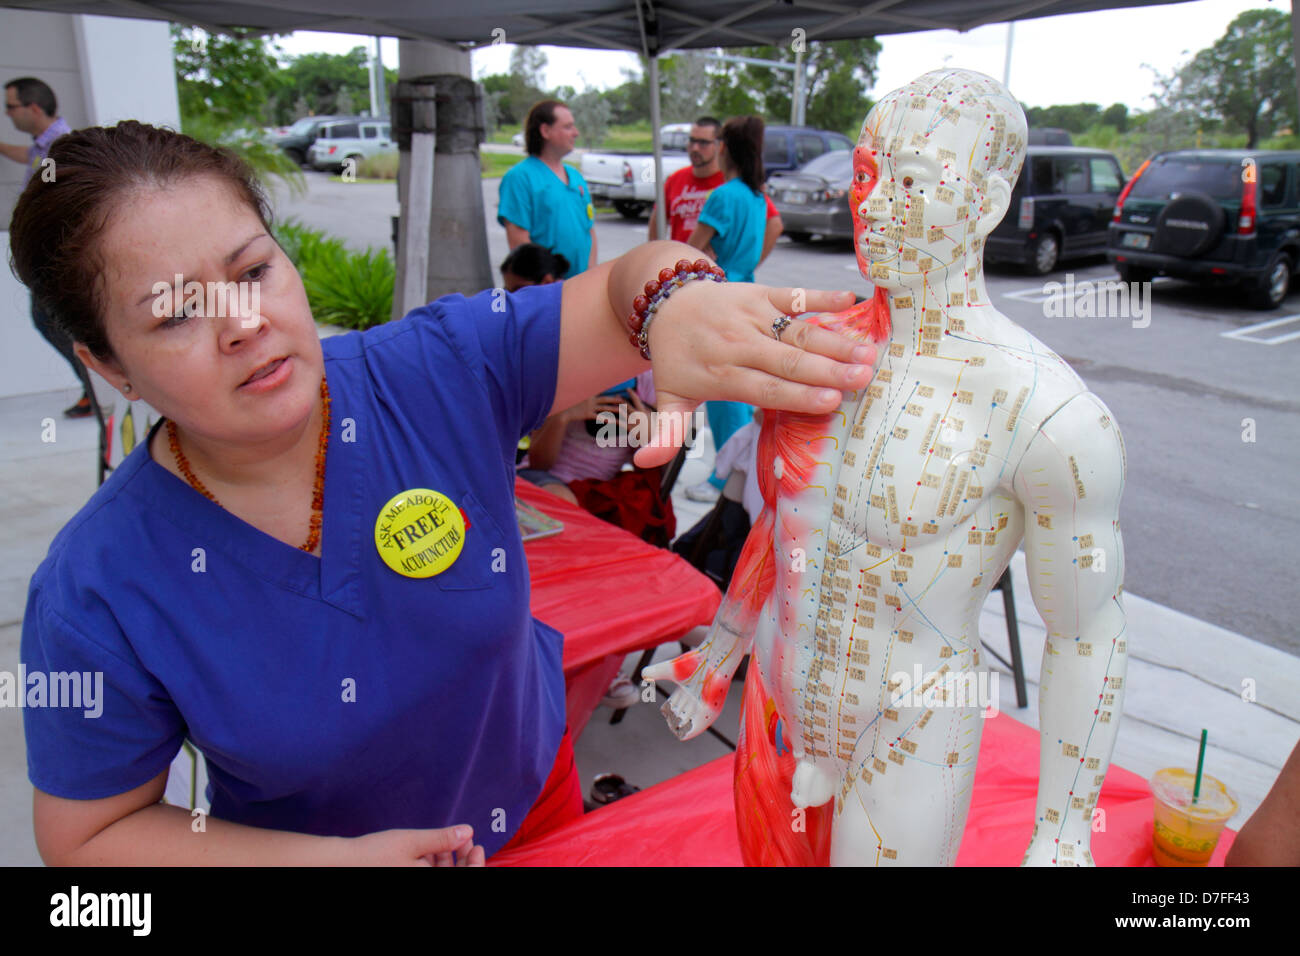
(686, 189)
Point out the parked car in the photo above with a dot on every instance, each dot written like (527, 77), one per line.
(627, 179)
(813, 200)
(336, 143)
(786, 148)
(297, 139)
(1213, 216)
(1060, 208)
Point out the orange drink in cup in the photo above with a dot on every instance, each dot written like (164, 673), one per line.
(1187, 830)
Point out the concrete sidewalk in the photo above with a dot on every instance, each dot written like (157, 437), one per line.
(1183, 674)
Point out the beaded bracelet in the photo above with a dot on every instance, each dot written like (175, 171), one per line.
(645, 306)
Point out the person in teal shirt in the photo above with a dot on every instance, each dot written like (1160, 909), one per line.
(733, 221)
(545, 201)
(731, 229)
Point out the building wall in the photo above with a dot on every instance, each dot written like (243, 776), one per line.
(102, 70)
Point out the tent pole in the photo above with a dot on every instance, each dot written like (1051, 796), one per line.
(661, 214)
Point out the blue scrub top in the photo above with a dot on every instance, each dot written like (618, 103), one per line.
(205, 627)
(556, 216)
(739, 217)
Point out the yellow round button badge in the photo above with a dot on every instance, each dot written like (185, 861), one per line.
(591, 211)
(419, 533)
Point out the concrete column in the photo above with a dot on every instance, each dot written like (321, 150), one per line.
(458, 251)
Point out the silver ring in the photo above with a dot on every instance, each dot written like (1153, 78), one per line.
(779, 325)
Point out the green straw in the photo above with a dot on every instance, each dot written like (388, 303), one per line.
(1200, 764)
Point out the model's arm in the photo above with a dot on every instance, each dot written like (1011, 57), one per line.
(1069, 483)
(591, 259)
(653, 234)
(515, 236)
(17, 153)
(708, 340)
(135, 829)
(773, 232)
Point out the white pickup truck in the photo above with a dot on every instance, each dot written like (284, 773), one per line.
(628, 179)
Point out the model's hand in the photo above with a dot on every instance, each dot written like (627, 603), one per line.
(703, 677)
(448, 846)
(714, 340)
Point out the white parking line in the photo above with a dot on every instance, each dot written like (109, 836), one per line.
(1246, 334)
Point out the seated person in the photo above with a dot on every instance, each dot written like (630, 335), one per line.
(531, 264)
(565, 448)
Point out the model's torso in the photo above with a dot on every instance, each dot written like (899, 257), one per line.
(905, 531)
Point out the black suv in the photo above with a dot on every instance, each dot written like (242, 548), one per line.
(789, 147)
(1212, 215)
(1060, 208)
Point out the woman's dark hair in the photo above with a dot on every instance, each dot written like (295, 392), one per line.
(743, 137)
(534, 263)
(56, 225)
(542, 114)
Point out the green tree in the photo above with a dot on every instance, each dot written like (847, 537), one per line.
(1246, 79)
(591, 111)
(230, 79)
(326, 83)
(839, 72)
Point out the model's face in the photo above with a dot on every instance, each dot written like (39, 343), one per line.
(195, 368)
(562, 135)
(25, 118)
(702, 149)
(910, 196)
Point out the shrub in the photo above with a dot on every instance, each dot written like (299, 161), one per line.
(351, 289)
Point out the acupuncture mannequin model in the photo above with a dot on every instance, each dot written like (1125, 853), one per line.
(887, 523)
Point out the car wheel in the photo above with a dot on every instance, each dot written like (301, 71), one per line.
(1130, 273)
(1043, 254)
(629, 209)
(799, 236)
(296, 155)
(1272, 286)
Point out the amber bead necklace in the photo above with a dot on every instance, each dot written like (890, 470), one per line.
(318, 491)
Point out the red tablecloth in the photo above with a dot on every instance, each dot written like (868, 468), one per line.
(691, 821)
(609, 593)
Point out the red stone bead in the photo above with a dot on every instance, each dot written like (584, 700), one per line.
(666, 275)
(640, 304)
(652, 287)
(635, 321)
(683, 266)
(702, 265)
(635, 340)
(719, 272)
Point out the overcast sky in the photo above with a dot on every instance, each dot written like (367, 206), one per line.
(1084, 57)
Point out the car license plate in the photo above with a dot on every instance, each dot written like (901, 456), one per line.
(1136, 240)
(795, 196)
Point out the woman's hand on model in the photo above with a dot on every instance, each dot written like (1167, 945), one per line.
(448, 846)
(714, 341)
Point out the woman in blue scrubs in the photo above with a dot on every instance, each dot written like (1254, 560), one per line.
(311, 568)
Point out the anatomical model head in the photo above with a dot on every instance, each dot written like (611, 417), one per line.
(933, 171)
